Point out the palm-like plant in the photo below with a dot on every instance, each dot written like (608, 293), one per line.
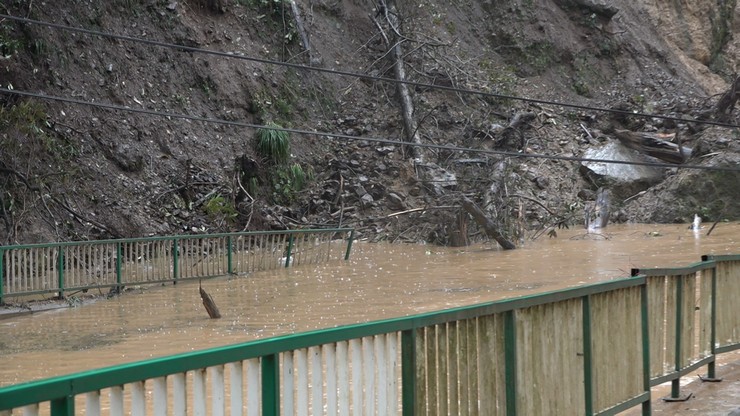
(273, 143)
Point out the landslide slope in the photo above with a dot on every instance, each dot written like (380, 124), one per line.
(186, 159)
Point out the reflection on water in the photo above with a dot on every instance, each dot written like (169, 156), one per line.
(380, 281)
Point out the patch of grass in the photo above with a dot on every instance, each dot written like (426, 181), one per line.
(584, 74)
(273, 144)
(9, 45)
(27, 116)
(540, 56)
(278, 105)
(207, 85)
(218, 208)
(287, 181)
(501, 80)
(721, 31)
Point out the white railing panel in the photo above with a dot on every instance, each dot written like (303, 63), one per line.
(218, 390)
(92, 403)
(356, 346)
(138, 398)
(288, 383)
(331, 378)
(236, 388)
(393, 374)
(301, 381)
(368, 366)
(159, 396)
(200, 399)
(30, 410)
(317, 394)
(116, 401)
(343, 370)
(382, 370)
(253, 387)
(179, 394)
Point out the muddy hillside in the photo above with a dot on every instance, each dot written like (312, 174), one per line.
(129, 118)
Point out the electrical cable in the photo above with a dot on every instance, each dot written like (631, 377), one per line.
(359, 138)
(358, 75)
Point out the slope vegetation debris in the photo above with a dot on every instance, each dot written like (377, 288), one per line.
(252, 136)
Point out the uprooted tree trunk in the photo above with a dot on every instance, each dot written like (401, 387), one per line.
(395, 40)
(655, 145)
(458, 236)
(301, 29)
(488, 226)
(430, 173)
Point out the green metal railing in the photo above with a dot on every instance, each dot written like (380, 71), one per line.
(73, 266)
(599, 344)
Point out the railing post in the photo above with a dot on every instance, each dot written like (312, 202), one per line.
(713, 326)
(60, 271)
(349, 244)
(119, 266)
(63, 407)
(2, 276)
(229, 257)
(511, 364)
(175, 260)
(270, 385)
(645, 328)
(711, 370)
(676, 383)
(289, 250)
(408, 372)
(587, 356)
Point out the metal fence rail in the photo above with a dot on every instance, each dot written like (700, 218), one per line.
(602, 345)
(72, 266)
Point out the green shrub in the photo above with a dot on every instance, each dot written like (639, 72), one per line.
(288, 181)
(298, 175)
(273, 144)
(218, 208)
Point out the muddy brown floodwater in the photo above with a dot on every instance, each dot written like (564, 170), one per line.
(379, 281)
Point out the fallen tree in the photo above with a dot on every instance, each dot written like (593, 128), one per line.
(657, 145)
(488, 226)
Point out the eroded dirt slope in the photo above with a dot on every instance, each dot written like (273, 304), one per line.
(73, 171)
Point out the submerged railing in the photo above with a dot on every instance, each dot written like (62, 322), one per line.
(591, 350)
(74, 266)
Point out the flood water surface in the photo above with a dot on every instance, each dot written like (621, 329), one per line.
(379, 281)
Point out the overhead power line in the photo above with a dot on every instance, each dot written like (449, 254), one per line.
(358, 138)
(355, 74)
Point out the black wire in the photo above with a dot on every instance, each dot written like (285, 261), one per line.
(358, 75)
(359, 138)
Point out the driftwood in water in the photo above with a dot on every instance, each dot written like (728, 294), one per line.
(459, 235)
(208, 302)
(597, 213)
(656, 145)
(488, 226)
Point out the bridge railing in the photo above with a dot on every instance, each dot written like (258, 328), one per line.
(694, 313)
(73, 266)
(591, 350)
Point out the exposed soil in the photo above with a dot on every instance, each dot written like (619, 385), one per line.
(71, 171)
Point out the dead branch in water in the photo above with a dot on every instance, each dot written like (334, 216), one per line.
(208, 302)
(480, 217)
